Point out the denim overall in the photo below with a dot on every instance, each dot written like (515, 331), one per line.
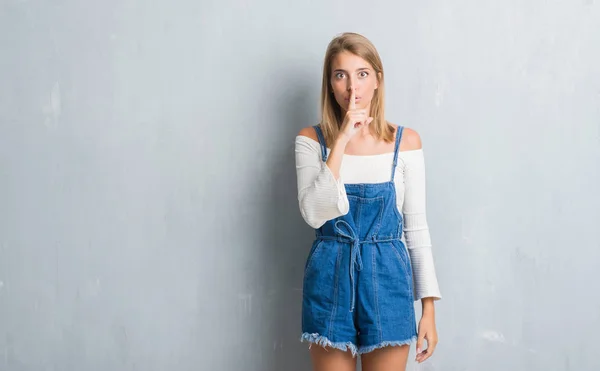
(358, 285)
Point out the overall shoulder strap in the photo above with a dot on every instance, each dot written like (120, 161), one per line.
(321, 142)
(399, 131)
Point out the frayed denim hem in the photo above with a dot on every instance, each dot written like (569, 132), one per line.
(324, 342)
(384, 344)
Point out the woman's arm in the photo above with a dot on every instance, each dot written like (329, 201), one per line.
(321, 191)
(418, 242)
(416, 229)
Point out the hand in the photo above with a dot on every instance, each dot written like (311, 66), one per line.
(428, 332)
(355, 119)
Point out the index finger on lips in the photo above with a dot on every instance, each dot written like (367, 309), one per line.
(352, 104)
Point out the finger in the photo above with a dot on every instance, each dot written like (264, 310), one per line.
(362, 112)
(365, 121)
(364, 118)
(421, 356)
(426, 354)
(369, 120)
(358, 118)
(420, 339)
(352, 104)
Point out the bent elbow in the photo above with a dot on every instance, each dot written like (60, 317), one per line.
(309, 216)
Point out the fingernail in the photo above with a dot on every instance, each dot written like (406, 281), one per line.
(418, 350)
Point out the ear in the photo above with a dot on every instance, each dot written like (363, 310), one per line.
(378, 79)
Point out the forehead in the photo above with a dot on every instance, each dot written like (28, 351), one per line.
(348, 61)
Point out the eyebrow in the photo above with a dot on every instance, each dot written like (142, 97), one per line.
(358, 70)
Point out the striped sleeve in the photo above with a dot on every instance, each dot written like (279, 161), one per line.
(320, 196)
(416, 229)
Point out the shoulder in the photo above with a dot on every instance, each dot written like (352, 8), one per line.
(410, 141)
(307, 147)
(308, 132)
(307, 141)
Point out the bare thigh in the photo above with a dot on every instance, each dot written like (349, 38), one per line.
(386, 359)
(329, 359)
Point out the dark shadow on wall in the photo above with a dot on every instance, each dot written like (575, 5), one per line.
(287, 237)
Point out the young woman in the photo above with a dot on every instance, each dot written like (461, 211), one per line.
(361, 185)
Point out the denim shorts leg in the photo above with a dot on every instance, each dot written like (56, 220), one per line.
(326, 317)
(385, 306)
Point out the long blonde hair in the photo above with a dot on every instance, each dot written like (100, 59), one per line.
(331, 112)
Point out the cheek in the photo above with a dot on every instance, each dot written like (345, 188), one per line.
(369, 90)
(369, 85)
(338, 87)
(337, 96)
(339, 92)
(373, 84)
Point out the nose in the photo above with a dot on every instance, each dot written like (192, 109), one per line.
(351, 84)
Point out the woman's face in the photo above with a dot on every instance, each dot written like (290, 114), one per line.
(349, 71)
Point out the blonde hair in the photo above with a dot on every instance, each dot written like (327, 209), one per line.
(331, 112)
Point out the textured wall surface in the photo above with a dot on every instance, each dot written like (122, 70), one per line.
(148, 212)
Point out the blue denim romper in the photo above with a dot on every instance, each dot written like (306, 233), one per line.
(358, 283)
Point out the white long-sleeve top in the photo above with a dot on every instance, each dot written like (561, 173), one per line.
(321, 198)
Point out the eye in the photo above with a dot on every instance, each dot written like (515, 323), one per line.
(339, 75)
(363, 74)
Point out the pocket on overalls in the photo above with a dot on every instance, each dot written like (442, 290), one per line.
(320, 273)
(402, 257)
(311, 254)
